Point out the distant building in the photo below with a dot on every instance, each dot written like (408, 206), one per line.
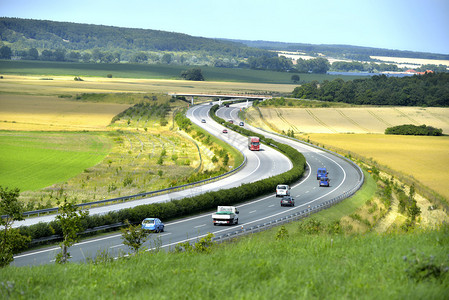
(411, 71)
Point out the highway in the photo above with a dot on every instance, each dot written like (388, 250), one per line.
(267, 162)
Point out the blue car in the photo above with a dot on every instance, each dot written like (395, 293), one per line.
(153, 224)
(324, 181)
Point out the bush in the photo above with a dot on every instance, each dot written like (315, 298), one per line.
(409, 129)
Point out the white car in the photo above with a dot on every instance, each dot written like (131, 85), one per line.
(282, 190)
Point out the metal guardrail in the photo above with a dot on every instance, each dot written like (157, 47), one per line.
(287, 219)
(253, 229)
(141, 195)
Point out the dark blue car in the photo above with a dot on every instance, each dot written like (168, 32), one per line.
(153, 225)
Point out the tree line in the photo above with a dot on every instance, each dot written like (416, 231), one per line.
(431, 89)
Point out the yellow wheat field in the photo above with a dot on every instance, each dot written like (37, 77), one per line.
(35, 85)
(353, 119)
(425, 158)
(50, 113)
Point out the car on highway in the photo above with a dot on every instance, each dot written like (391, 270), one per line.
(287, 201)
(203, 121)
(324, 181)
(241, 124)
(231, 121)
(227, 105)
(153, 225)
(225, 131)
(282, 190)
(320, 172)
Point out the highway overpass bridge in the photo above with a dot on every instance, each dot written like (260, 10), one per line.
(222, 97)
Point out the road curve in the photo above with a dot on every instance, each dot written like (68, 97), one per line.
(344, 176)
(259, 165)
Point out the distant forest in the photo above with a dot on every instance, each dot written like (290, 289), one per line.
(27, 39)
(430, 89)
(123, 43)
(340, 51)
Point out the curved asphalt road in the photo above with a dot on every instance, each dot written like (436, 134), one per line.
(344, 177)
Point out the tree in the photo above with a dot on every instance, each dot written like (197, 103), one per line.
(295, 78)
(193, 74)
(33, 54)
(11, 241)
(134, 236)
(413, 210)
(166, 58)
(5, 52)
(139, 57)
(69, 219)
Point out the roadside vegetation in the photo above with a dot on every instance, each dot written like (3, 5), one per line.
(140, 151)
(321, 256)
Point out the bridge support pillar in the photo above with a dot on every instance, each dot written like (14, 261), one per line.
(247, 103)
(219, 101)
(192, 100)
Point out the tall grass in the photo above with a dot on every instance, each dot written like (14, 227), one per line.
(300, 266)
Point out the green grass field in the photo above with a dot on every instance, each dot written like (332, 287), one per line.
(301, 266)
(156, 71)
(27, 159)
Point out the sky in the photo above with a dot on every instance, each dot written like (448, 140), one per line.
(414, 25)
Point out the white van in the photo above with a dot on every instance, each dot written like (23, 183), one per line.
(282, 190)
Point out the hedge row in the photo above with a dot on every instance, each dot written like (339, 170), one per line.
(190, 205)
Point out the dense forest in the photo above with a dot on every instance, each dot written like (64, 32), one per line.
(430, 89)
(25, 34)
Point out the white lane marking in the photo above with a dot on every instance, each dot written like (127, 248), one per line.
(253, 211)
(271, 205)
(116, 246)
(249, 203)
(199, 226)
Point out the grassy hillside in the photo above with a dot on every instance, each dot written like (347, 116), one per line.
(312, 259)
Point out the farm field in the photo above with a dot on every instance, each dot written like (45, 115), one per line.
(367, 119)
(416, 156)
(413, 62)
(27, 112)
(33, 160)
(156, 71)
(66, 85)
(54, 160)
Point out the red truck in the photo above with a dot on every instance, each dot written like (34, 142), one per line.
(253, 143)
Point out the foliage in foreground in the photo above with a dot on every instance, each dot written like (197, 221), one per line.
(284, 263)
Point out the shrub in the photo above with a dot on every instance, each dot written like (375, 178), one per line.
(409, 129)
